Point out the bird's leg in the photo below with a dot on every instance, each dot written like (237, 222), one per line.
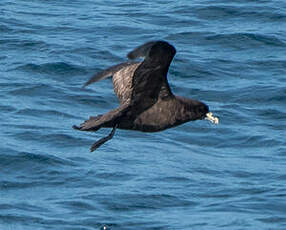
(103, 140)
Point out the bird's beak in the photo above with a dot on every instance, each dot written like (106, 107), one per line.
(211, 118)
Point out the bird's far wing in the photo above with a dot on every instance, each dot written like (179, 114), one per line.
(107, 73)
(109, 119)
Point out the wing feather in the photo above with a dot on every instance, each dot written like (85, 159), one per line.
(108, 119)
(141, 51)
(107, 73)
(150, 78)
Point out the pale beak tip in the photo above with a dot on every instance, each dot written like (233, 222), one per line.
(212, 118)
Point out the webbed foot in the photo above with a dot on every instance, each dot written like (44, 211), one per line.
(103, 140)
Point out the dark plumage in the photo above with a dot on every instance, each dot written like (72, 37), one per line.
(146, 101)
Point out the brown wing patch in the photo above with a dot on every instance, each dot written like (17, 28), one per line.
(107, 73)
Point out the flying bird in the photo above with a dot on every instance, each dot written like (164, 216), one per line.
(147, 103)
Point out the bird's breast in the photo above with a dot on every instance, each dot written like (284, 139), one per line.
(160, 116)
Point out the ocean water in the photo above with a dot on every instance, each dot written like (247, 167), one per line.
(230, 55)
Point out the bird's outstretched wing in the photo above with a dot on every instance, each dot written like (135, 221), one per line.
(109, 119)
(141, 51)
(107, 73)
(150, 78)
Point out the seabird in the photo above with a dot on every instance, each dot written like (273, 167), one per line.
(147, 103)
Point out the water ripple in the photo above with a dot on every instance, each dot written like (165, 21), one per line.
(61, 68)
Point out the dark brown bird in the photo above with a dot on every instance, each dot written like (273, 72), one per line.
(147, 103)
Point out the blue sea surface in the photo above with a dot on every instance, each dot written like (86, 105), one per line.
(230, 55)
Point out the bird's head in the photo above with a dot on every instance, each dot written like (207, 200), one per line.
(196, 110)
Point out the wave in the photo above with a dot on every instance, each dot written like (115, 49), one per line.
(224, 11)
(53, 68)
(244, 40)
(44, 113)
(24, 44)
(16, 160)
